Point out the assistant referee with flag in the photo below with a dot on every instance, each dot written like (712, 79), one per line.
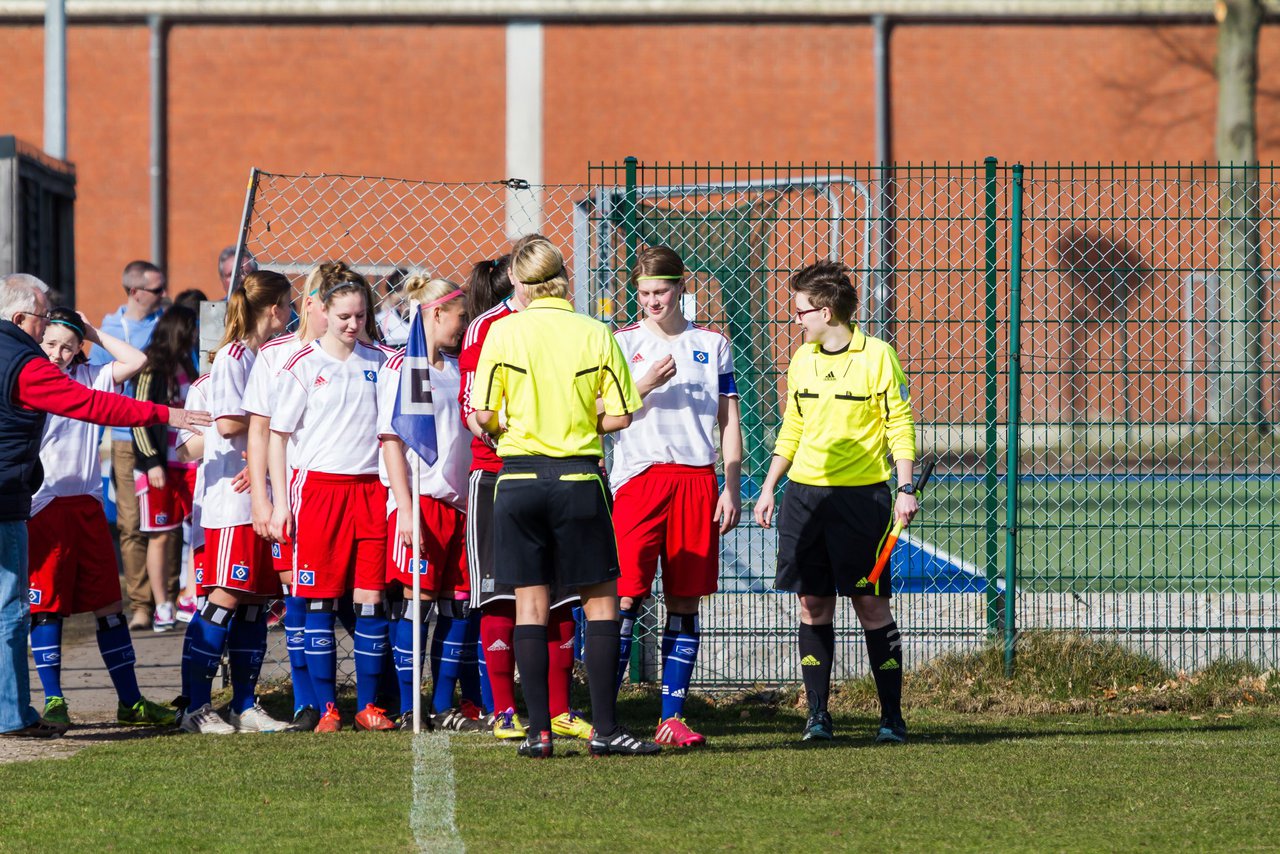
(562, 381)
(847, 411)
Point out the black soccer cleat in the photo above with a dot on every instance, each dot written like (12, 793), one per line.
(536, 745)
(620, 743)
(305, 719)
(892, 731)
(819, 727)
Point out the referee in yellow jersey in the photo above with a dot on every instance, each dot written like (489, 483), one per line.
(847, 410)
(561, 381)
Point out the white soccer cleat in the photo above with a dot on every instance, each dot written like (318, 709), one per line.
(256, 719)
(205, 720)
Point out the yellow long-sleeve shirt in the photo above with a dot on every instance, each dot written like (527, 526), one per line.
(844, 412)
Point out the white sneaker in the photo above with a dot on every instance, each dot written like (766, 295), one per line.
(256, 719)
(205, 720)
(164, 619)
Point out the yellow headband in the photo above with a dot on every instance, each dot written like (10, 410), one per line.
(658, 278)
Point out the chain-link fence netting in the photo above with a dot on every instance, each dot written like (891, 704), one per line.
(1141, 486)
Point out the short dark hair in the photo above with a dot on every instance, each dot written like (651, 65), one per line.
(135, 273)
(827, 285)
(191, 298)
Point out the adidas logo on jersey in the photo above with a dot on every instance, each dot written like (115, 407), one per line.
(831, 375)
(891, 664)
(809, 661)
(637, 358)
(497, 646)
(319, 382)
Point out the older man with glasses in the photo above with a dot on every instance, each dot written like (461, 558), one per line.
(31, 387)
(146, 296)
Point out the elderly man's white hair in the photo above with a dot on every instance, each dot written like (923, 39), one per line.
(18, 295)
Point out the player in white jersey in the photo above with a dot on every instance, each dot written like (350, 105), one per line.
(326, 402)
(73, 564)
(239, 579)
(442, 488)
(259, 403)
(666, 508)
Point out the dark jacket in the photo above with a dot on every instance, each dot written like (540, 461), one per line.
(20, 429)
(151, 444)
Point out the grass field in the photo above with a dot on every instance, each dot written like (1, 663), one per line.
(966, 782)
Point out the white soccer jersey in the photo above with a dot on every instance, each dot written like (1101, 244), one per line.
(447, 479)
(331, 408)
(199, 401)
(223, 457)
(679, 420)
(262, 379)
(69, 448)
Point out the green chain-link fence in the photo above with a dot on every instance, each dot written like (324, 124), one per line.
(1087, 312)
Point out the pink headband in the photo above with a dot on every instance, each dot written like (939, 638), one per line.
(443, 299)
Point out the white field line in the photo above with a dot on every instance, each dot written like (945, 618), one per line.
(431, 817)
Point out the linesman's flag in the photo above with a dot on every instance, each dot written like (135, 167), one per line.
(414, 416)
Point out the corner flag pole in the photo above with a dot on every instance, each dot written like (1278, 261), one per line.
(415, 463)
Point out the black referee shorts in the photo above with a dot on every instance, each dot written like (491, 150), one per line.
(551, 523)
(829, 537)
(480, 563)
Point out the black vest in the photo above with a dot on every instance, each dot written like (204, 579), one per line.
(20, 429)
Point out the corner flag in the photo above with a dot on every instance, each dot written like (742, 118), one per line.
(414, 415)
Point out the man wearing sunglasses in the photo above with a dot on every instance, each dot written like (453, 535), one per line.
(146, 297)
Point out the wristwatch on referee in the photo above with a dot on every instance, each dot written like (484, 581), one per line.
(907, 489)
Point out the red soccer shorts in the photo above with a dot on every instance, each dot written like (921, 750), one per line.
(72, 561)
(665, 513)
(197, 566)
(164, 509)
(238, 559)
(282, 556)
(444, 547)
(341, 539)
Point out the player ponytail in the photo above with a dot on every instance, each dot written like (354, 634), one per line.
(539, 266)
(427, 291)
(258, 293)
(488, 285)
(323, 278)
(658, 262)
(827, 285)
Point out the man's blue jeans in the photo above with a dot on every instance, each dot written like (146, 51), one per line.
(15, 626)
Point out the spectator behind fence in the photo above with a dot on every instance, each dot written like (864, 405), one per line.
(145, 288)
(392, 322)
(227, 263)
(33, 386)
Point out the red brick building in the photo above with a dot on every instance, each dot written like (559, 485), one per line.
(421, 89)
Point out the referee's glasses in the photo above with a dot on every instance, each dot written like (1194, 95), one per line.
(800, 314)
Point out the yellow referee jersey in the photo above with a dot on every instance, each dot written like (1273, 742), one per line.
(547, 365)
(844, 412)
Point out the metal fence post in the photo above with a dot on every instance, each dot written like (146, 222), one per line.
(991, 454)
(1015, 379)
(630, 231)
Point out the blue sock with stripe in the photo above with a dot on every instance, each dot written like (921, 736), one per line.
(402, 632)
(187, 637)
(295, 641)
(680, 643)
(446, 658)
(626, 628)
(322, 656)
(469, 673)
(115, 645)
(370, 647)
(246, 647)
(210, 627)
(46, 649)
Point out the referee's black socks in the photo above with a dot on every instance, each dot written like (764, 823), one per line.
(532, 661)
(884, 649)
(602, 668)
(817, 650)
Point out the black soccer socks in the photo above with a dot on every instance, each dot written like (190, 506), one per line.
(817, 651)
(884, 649)
(602, 668)
(532, 662)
